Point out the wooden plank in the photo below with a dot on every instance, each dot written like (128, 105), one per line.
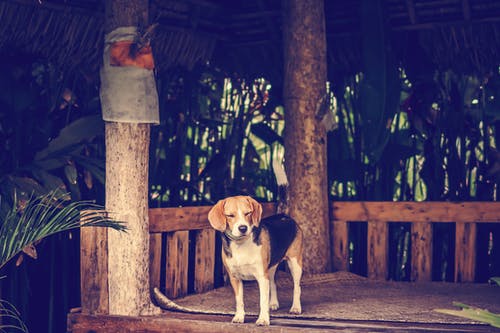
(177, 261)
(154, 260)
(377, 249)
(421, 251)
(465, 252)
(204, 260)
(340, 245)
(94, 270)
(188, 218)
(182, 322)
(417, 211)
(195, 218)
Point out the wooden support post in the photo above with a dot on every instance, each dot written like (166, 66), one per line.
(421, 251)
(154, 260)
(94, 270)
(204, 260)
(176, 275)
(340, 245)
(377, 249)
(465, 252)
(304, 89)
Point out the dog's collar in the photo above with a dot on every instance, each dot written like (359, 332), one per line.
(234, 238)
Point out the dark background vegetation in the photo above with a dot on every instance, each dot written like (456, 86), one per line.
(411, 124)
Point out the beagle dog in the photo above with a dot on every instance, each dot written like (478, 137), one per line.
(253, 247)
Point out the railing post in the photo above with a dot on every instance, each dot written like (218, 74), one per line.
(177, 262)
(465, 252)
(204, 261)
(340, 245)
(377, 249)
(94, 270)
(421, 251)
(154, 260)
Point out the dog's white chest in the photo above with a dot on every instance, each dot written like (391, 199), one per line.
(246, 260)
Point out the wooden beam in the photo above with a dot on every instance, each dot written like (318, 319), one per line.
(417, 211)
(195, 218)
(184, 322)
(188, 218)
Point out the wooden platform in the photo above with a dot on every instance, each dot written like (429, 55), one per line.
(182, 322)
(340, 301)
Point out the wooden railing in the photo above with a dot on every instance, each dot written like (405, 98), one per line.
(183, 245)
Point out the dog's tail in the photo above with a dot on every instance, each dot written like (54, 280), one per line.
(282, 180)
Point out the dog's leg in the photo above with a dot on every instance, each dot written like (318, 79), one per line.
(237, 284)
(273, 302)
(296, 271)
(263, 318)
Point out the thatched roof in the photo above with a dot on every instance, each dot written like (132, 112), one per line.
(245, 36)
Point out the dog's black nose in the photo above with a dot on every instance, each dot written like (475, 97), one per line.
(243, 228)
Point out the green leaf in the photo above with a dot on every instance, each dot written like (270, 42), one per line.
(266, 133)
(80, 130)
(71, 174)
(46, 215)
(50, 182)
(495, 279)
(473, 313)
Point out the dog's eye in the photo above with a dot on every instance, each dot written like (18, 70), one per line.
(249, 213)
(230, 215)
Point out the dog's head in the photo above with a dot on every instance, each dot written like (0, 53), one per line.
(237, 214)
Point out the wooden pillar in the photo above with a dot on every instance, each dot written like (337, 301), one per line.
(305, 137)
(127, 163)
(421, 251)
(465, 252)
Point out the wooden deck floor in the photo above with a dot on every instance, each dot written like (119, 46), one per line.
(331, 302)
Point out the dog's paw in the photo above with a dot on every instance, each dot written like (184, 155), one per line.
(238, 318)
(296, 309)
(262, 321)
(274, 306)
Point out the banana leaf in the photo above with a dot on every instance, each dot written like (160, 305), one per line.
(380, 87)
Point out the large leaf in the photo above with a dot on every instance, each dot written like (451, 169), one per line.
(380, 88)
(266, 133)
(78, 131)
(43, 216)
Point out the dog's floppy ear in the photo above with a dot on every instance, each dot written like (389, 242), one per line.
(216, 216)
(257, 211)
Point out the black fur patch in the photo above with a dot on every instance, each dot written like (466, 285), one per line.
(282, 230)
(225, 244)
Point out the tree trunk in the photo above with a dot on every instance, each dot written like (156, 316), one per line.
(305, 137)
(127, 163)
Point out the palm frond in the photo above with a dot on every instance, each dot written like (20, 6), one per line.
(9, 312)
(46, 215)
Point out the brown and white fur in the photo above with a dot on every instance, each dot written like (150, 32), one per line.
(253, 247)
